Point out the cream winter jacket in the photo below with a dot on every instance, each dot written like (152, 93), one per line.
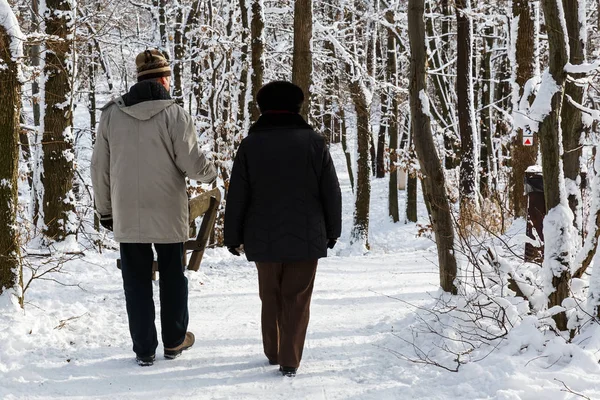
(141, 157)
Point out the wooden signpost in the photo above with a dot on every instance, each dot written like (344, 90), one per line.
(205, 205)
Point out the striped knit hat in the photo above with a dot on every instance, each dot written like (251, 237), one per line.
(151, 64)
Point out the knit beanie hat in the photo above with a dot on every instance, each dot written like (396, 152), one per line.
(151, 64)
(280, 96)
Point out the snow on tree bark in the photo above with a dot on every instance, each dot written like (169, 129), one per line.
(57, 139)
(434, 185)
(523, 51)
(558, 223)
(258, 64)
(571, 119)
(466, 113)
(11, 53)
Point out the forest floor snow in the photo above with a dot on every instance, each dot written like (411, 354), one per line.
(73, 341)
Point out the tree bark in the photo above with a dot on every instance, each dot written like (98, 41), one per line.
(486, 112)
(10, 112)
(445, 117)
(392, 120)
(57, 140)
(571, 122)
(302, 58)
(525, 45)
(434, 185)
(161, 19)
(242, 116)
(385, 113)
(179, 55)
(258, 65)
(360, 229)
(466, 117)
(557, 249)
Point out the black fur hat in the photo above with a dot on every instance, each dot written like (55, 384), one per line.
(280, 96)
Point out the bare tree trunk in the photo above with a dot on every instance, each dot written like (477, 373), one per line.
(486, 113)
(10, 112)
(57, 139)
(179, 54)
(392, 117)
(571, 122)
(466, 118)
(258, 65)
(385, 112)
(525, 44)
(92, 109)
(161, 19)
(360, 229)
(242, 103)
(434, 186)
(302, 58)
(445, 117)
(557, 248)
(411, 182)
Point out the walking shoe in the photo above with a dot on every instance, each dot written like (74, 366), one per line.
(145, 361)
(186, 344)
(288, 371)
(271, 362)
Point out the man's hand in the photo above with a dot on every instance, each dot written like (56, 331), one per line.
(331, 243)
(107, 222)
(236, 250)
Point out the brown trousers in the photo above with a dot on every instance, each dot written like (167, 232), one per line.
(285, 290)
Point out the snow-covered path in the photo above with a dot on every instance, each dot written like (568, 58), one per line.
(351, 315)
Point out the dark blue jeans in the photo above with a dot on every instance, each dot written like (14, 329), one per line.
(136, 268)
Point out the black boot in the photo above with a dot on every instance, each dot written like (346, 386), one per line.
(145, 361)
(288, 371)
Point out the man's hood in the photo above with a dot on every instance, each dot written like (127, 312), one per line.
(143, 111)
(144, 100)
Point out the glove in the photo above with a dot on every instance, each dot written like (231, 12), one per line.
(236, 250)
(331, 243)
(107, 222)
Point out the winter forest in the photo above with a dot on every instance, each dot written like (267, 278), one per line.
(465, 138)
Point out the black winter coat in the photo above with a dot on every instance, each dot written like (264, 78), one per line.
(284, 199)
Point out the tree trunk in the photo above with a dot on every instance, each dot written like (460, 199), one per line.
(179, 55)
(434, 186)
(411, 183)
(392, 120)
(344, 134)
(302, 58)
(92, 109)
(385, 113)
(57, 140)
(360, 229)
(445, 117)
(486, 113)
(558, 221)
(571, 122)
(10, 112)
(525, 45)
(161, 19)
(258, 65)
(466, 118)
(242, 116)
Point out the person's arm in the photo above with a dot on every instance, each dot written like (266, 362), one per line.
(331, 198)
(100, 172)
(238, 198)
(189, 158)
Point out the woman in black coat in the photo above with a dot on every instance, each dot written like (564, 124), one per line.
(284, 210)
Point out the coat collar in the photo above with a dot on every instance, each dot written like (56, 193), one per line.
(279, 119)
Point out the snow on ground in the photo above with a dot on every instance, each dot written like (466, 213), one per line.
(73, 342)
